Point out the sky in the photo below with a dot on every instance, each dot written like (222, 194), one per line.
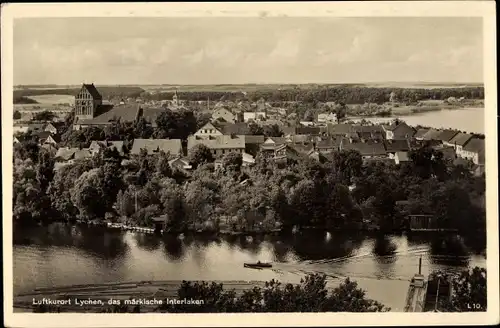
(227, 50)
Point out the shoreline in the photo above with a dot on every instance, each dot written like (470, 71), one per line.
(411, 111)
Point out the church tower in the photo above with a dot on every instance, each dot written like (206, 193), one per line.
(175, 99)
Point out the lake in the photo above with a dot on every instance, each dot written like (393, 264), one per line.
(60, 255)
(464, 119)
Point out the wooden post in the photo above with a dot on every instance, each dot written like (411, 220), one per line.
(420, 265)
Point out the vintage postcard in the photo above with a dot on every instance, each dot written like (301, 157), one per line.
(249, 164)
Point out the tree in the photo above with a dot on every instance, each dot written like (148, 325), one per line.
(232, 161)
(272, 131)
(45, 169)
(17, 115)
(200, 154)
(44, 116)
(310, 295)
(469, 291)
(255, 129)
(88, 195)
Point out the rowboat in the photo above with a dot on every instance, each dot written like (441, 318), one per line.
(258, 265)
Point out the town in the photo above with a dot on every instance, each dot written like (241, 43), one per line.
(237, 139)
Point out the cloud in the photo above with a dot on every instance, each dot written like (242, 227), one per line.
(239, 50)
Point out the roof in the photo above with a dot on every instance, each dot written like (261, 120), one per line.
(65, 153)
(92, 90)
(218, 142)
(108, 144)
(448, 152)
(222, 111)
(288, 130)
(474, 145)
(300, 138)
(124, 113)
(254, 139)
(402, 156)
(365, 148)
(276, 140)
(367, 128)
(172, 146)
(82, 153)
(303, 149)
(461, 139)
(307, 130)
(447, 135)
(43, 134)
(210, 125)
(393, 146)
(343, 129)
(329, 143)
(233, 128)
(421, 132)
(432, 134)
(247, 158)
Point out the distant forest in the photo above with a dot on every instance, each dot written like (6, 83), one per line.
(24, 100)
(342, 94)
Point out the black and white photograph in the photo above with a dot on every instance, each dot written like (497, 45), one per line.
(250, 161)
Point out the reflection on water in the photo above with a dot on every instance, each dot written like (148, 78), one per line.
(63, 255)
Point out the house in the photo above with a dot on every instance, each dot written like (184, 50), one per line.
(432, 134)
(208, 129)
(219, 144)
(224, 115)
(154, 146)
(239, 128)
(474, 150)
(43, 136)
(448, 152)
(394, 146)
(69, 155)
(446, 135)
(284, 154)
(52, 128)
(419, 135)
(87, 102)
(96, 146)
(401, 157)
(343, 130)
(459, 141)
(254, 116)
(367, 150)
(109, 115)
(180, 163)
(31, 127)
(327, 118)
(398, 131)
(329, 145)
(311, 130)
(369, 132)
(252, 143)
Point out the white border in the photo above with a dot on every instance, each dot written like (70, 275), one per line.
(485, 9)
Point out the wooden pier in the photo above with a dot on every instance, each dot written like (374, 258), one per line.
(426, 295)
(417, 291)
(131, 228)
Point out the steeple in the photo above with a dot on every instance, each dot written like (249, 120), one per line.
(175, 98)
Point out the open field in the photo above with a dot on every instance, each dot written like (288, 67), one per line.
(53, 99)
